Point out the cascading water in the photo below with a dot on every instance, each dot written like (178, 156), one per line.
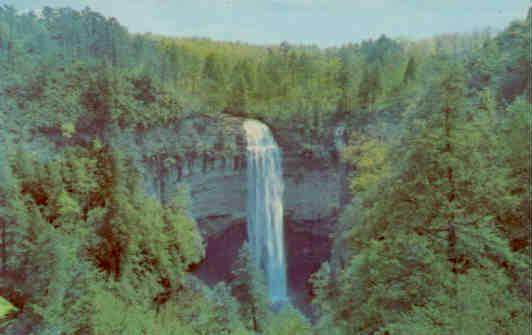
(339, 138)
(265, 207)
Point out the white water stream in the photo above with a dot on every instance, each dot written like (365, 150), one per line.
(265, 207)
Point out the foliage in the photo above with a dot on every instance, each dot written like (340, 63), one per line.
(369, 157)
(68, 67)
(86, 251)
(427, 248)
(5, 308)
(249, 288)
(289, 321)
(435, 239)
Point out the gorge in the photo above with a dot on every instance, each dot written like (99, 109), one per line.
(312, 198)
(173, 185)
(314, 186)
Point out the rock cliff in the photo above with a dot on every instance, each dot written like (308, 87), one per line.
(206, 157)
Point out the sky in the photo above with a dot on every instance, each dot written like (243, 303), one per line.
(321, 22)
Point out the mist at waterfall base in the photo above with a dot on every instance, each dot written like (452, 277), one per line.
(265, 208)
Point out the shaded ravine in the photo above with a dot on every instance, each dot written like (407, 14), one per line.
(305, 252)
(287, 253)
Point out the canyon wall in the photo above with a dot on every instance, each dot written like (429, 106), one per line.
(215, 175)
(205, 157)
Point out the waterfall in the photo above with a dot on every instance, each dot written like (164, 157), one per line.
(339, 138)
(265, 207)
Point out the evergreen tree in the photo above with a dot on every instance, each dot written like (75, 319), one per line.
(288, 321)
(436, 238)
(417, 247)
(369, 87)
(239, 98)
(250, 289)
(410, 72)
(345, 103)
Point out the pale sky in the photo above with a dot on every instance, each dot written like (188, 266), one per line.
(321, 22)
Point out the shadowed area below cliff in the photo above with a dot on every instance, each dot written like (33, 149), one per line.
(305, 253)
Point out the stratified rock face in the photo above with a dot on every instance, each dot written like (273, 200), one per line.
(312, 194)
(206, 156)
(314, 181)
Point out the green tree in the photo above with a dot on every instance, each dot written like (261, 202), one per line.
(250, 289)
(410, 72)
(413, 250)
(369, 87)
(239, 97)
(288, 321)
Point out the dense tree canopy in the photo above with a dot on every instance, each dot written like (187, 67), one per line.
(435, 240)
(437, 236)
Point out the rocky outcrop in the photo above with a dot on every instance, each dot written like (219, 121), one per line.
(203, 156)
(206, 156)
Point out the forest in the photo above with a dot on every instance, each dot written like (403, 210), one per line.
(435, 235)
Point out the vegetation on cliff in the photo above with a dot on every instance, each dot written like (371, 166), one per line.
(76, 71)
(436, 239)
